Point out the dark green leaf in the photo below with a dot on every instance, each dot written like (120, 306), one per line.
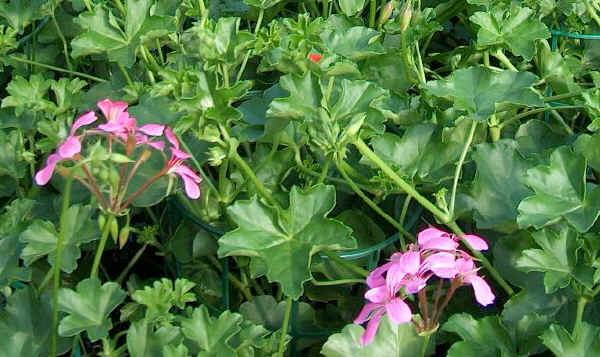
(563, 344)
(355, 43)
(144, 341)
(483, 337)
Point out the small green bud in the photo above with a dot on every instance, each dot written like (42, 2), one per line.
(113, 176)
(406, 15)
(114, 229)
(386, 12)
(103, 174)
(216, 155)
(101, 221)
(123, 236)
(119, 158)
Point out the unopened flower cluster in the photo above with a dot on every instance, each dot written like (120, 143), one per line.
(121, 127)
(436, 256)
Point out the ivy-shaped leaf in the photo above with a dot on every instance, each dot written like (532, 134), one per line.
(28, 94)
(103, 34)
(26, 325)
(144, 341)
(557, 258)
(484, 337)
(12, 163)
(563, 344)
(478, 90)
(495, 203)
(353, 42)
(41, 237)
(286, 240)
(161, 297)
(88, 308)
(516, 28)
(12, 222)
(391, 340)
(210, 335)
(21, 13)
(560, 191)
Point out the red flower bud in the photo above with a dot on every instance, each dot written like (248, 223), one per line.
(315, 57)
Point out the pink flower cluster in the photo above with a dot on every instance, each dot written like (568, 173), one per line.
(122, 127)
(436, 255)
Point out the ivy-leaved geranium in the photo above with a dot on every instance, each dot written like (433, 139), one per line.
(119, 39)
(560, 191)
(478, 90)
(286, 239)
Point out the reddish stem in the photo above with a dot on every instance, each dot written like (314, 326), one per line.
(423, 306)
(453, 286)
(143, 188)
(94, 186)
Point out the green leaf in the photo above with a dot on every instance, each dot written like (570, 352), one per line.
(103, 34)
(26, 325)
(161, 297)
(41, 238)
(478, 90)
(507, 251)
(89, 308)
(585, 343)
(483, 337)
(560, 191)
(21, 13)
(495, 203)
(286, 240)
(391, 341)
(536, 139)
(266, 311)
(589, 147)
(144, 341)
(158, 189)
(516, 28)
(426, 152)
(557, 258)
(11, 159)
(355, 43)
(351, 7)
(262, 4)
(386, 72)
(28, 94)
(210, 335)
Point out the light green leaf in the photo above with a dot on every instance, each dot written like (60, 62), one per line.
(103, 34)
(210, 335)
(262, 4)
(589, 146)
(557, 258)
(495, 203)
(21, 13)
(478, 90)
(287, 240)
(515, 27)
(266, 311)
(28, 94)
(89, 308)
(391, 340)
(161, 297)
(563, 344)
(41, 238)
(355, 43)
(560, 191)
(351, 7)
(144, 341)
(26, 325)
(483, 337)
(11, 160)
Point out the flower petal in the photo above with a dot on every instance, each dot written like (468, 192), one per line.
(152, 129)
(375, 277)
(410, 262)
(69, 147)
(476, 242)
(43, 176)
(191, 187)
(171, 137)
(442, 264)
(158, 145)
(483, 292)
(398, 311)
(393, 279)
(430, 233)
(369, 334)
(85, 119)
(440, 243)
(365, 312)
(111, 110)
(414, 284)
(180, 155)
(377, 295)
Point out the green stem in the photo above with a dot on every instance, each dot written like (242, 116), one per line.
(376, 208)
(536, 111)
(324, 171)
(260, 188)
(562, 96)
(131, 263)
(484, 261)
(63, 40)
(420, 64)
(58, 69)
(284, 327)
(404, 210)
(354, 268)
(325, 9)
(58, 261)
(261, 14)
(203, 12)
(87, 5)
(561, 121)
(579, 316)
(337, 282)
(461, 160)
(125, 74)
(372, 11)
(504, 60)
(595, 291)
(411, 191)
(100, 249)
(425, 344)
(592, 12)
(232, 278)
(120, 7)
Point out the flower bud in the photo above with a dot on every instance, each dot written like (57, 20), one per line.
(101, 221)
(145, 155)
(123, 235)
(406, 15)
(386, 12)
(113, 177)
(114, 229)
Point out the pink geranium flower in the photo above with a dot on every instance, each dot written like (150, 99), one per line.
(176, 166)
(468, 273)
(66, 150)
